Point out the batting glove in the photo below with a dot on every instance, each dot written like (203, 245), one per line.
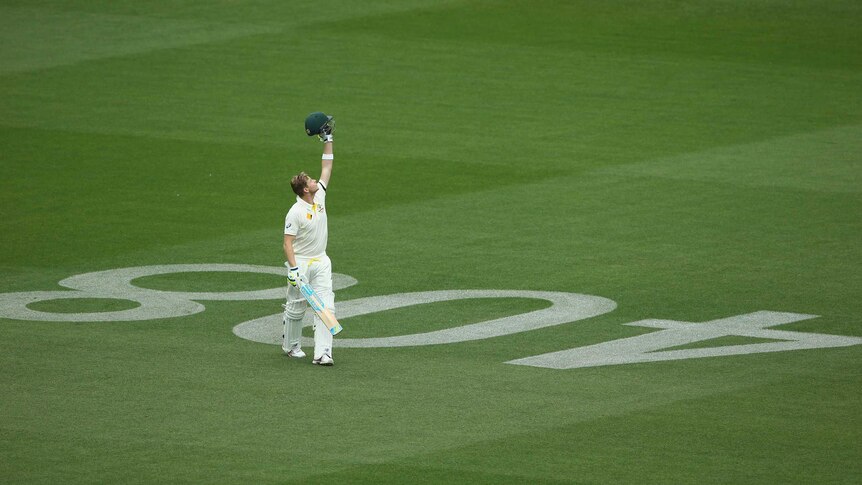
(326, 130)
(293, 275)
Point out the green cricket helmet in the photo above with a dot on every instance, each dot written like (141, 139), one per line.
(315, 122)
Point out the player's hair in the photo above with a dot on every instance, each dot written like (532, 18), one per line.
(298, 182)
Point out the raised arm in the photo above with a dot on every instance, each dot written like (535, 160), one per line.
(326, 161)
(320, 124)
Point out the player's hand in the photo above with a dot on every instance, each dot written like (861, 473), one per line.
(293, 275)
(326, 130)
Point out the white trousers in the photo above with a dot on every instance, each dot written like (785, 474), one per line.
(318, 273)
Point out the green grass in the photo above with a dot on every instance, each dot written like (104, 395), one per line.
(82, 305)
(722, 342)
(690, 160)
(437, 316)
(225, 281)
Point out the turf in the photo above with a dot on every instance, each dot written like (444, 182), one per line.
(690, 160)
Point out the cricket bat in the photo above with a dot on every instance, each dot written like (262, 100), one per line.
(325, 314)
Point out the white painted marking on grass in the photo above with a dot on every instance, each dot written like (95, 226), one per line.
(565, 308)
(154, 304)
(645, 348)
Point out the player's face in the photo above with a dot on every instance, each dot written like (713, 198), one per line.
(312, 185)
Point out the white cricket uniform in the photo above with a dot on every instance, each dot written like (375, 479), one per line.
(307, 222)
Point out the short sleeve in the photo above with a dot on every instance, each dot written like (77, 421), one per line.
(291, 223)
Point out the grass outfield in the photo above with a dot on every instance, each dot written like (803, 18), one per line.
(689, 160)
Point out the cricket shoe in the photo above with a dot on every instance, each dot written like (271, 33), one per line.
(294, 352)
(324, 359)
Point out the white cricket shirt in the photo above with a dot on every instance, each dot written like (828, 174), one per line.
(308, 223)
